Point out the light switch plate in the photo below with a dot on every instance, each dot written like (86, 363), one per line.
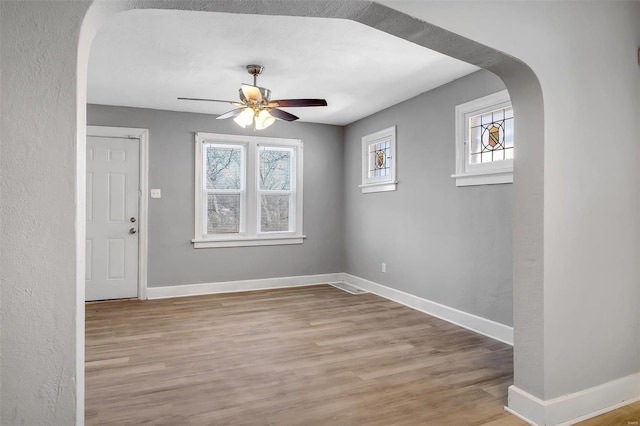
(156, 193)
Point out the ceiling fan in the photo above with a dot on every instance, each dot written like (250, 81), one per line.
(256, 107)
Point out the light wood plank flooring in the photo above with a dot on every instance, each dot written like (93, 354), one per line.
(625, 416)
(305, 356)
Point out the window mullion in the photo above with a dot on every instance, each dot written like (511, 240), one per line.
(275, 192)
(222, 191)
(251, 197)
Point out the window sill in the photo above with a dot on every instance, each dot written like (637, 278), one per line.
(378, 187)
(494, 177)
(247, 242)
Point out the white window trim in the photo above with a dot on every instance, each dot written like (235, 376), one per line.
(251, 236)
(497, 172)
(383, 183)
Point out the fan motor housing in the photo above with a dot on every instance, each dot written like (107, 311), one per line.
(266, 94)
(255, 69)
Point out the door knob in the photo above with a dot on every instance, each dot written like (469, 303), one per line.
(132, 231)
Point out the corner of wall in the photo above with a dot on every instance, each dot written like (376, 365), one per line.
(343, 192)
(574, 407)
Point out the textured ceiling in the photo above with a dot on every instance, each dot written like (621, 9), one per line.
(149, 58)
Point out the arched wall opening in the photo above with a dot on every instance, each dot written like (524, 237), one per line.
(526, 96)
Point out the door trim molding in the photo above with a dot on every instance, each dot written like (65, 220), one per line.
(143, 201)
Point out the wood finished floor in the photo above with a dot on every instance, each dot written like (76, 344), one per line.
(305, 356)
(626, 416)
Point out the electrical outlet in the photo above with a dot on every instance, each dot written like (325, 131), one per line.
(384, 267)
(156, 193)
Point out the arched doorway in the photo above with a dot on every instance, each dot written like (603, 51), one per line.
(527, 100)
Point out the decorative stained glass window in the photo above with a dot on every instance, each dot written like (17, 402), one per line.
(491, 136)
(378, 161)
(485, 141)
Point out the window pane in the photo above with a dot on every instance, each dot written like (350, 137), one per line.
(508, 113)
(508, 132)
(509, 154)
(475, 139)
(373, 170)
(223, 167)
(380, 159)
(491, 137)
(274, 213)
(223, 213)
(275, 169)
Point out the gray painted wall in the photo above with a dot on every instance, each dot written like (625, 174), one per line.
(448, 244)
(172, 258)
(437, 250)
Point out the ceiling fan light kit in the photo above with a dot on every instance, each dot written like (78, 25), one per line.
(264, 120)
(245, 118)
(256, 106)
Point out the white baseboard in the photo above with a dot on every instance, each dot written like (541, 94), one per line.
(574, 407)
(237, 286)
(472, 322)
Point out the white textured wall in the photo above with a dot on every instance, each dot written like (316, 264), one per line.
(584, 54)
(0, 211)
(37, 182)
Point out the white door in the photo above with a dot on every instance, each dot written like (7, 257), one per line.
(113, 173)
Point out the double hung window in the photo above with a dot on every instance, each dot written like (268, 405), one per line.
(248, 191)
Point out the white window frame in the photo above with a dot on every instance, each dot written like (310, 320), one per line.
(292, 192)
(249, 234)
(242, 191)
(495, 172)
(379, 183)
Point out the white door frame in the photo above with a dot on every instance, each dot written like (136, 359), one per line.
(143, 201)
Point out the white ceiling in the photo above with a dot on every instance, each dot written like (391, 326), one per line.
(149, 58)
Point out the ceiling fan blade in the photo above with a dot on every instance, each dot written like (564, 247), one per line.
(298, 102)
(252, 93)
(230, 114)
(210, 100)
(282, 115)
